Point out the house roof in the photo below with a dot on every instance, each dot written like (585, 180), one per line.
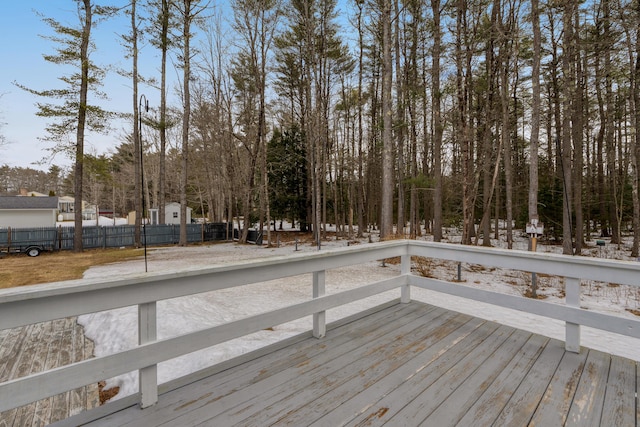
(22, 202)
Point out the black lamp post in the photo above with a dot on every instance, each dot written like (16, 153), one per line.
(143, 103)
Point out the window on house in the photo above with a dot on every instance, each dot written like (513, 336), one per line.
(175, 214)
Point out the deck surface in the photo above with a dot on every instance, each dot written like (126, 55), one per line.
(42, 346)
(408, 365)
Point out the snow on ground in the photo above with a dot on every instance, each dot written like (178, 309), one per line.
(102, 221)
(115, 330)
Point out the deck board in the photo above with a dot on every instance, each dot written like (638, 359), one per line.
(404, 396)
(467, 393)
(377, 381)
(221, 387)
(3, 335)
(359, 370)
(359, 402)
(618, 409)
(496, 395)
(556, 401)
(10, 351)
(426, 399)
(42, 346)
(589, 397)
(408, 364)
(526, 395)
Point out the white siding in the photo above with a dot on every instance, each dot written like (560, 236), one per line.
(27, 218)
(172, 214)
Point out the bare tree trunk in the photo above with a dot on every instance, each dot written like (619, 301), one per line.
(636, 141)
(265, 193)
(568, 40)
(386, 220)
(600, 147)
(82, 117)
(506, 131)
(360, 192)
(463, 90)
(577, 132)
(535, 132)
(496, 226)
(535, 112)
(401, 131)
(554, 129)
(437, 122)
(487, 121)
(137, 150)
(164, 36)
(188, 14)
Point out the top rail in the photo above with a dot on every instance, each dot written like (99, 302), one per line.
(31, 304)
(605, 270)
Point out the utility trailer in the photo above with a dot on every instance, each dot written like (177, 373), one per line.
(30, 249)
(28, 241)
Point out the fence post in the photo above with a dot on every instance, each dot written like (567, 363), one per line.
(405, 269)
(319, 319)
(572, 299)
(148, 376)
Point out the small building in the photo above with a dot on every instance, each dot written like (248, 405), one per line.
(171, 214)
(66, 208)
(28, 212)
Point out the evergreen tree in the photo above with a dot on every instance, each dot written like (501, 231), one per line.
(288, 176)
(74, 114)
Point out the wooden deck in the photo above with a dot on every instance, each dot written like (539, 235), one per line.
(406, 365)
(41, 346)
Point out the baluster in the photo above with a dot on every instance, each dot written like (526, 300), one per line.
(148, 376)
(405, 269)
(572, 299)
(319, 319)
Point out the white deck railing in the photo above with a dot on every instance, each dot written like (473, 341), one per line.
(23, 306)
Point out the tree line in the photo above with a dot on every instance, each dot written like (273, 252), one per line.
(403, 115)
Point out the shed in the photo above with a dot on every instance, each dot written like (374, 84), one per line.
(28, 212)
(171, 214)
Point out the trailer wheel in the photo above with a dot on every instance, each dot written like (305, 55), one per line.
(33, 251)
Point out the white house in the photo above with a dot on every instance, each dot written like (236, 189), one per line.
(28, 212)
(171, 214)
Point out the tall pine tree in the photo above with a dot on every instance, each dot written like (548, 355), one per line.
(73, 114)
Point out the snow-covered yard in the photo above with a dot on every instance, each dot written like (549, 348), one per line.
(115, 330)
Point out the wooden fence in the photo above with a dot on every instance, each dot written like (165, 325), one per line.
(61, 238)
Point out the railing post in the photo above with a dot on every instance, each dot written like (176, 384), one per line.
(572, 299)
(319, 319)
(405, 269)
(148, 376)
